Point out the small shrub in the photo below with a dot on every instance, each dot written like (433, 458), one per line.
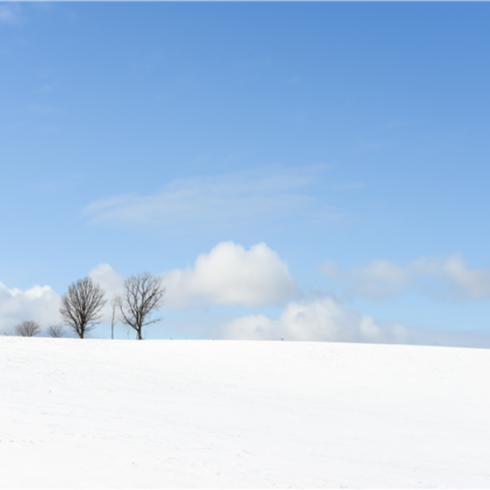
(56, 330)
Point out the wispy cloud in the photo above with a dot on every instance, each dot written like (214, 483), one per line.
(46, 88)
(56, 185)
(9, 14)
(224, 201)
(43, 109)
(375, 145)
(352, 186)
(394, 125)
(444, 279)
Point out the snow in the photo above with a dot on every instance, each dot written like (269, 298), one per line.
(242, 414)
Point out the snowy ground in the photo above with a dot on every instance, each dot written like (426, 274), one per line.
(237, 414)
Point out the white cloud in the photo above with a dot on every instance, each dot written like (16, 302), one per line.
(228, 275)
(39, 303)
(223, 201)
(449, 278)
(314, 320)
(231, 275)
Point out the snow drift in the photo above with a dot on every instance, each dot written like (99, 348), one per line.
(241, 414)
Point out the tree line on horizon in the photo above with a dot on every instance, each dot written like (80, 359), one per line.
(81, 307)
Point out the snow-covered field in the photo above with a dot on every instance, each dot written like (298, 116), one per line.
(241, 414)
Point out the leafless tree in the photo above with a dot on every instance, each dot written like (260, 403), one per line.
(28, 329)
(56, 330)
(81, 305)
(142, 295)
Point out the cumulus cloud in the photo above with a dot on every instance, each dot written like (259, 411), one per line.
(231, 275)
(228, 275)
(449, 278)
(39, 303)
(223, 201)
(314, 320)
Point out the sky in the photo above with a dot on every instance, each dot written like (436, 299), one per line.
(306, 171)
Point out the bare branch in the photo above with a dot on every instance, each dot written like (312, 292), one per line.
(56, 330)
(142, 295)
(81, 305)
(27, 329)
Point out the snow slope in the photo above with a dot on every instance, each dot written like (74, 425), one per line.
(241, 414)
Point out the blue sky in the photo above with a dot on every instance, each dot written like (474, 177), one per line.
(352, 139)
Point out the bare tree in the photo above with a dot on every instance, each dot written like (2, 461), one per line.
(28, 329)
(56, 330)
(81, 305)
(142, 295)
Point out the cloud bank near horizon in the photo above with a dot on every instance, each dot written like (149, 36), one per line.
(323, 320)
(230, 275)
(327, 320)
